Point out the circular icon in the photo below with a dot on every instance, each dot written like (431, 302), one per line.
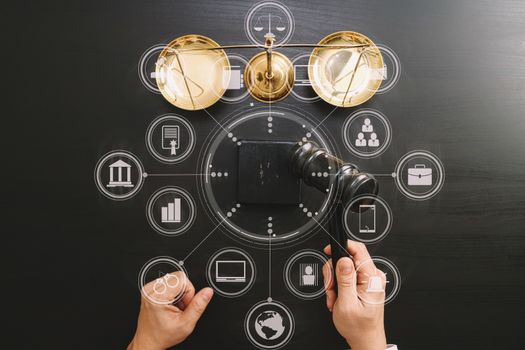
(187, 72)
(171, 211)
(367, 133)
(269, 19)
(419, 175)
(231, 272)
(346, 77)
(170, 138)
(147, 67)
(163, 280)
(269, 325)
(302, 89)
(119, 175)
(232, 88)
(303, 274)
(391, 71)
(259, 203)
(367, 223)
(379, 281)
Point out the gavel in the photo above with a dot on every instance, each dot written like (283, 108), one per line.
(307, 160)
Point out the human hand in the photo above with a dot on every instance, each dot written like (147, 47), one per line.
(161, 324)
(360, 322)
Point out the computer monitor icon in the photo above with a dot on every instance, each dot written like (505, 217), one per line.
(301, 75)
(232, 78)
(230, 271)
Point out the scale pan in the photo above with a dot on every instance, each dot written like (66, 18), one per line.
(346, 77)
(192, 73)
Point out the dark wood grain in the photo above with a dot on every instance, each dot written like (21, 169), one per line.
(73, 94)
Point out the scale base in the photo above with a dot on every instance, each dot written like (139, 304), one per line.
(269, 89)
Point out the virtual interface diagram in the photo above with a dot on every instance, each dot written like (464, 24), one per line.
(245, 176)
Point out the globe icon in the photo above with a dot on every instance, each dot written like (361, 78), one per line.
(269, 325)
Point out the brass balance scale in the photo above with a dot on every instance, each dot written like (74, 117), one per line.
(192, 71)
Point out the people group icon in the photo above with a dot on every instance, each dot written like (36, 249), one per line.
(373, 142)
(367, 126)
(367, 129)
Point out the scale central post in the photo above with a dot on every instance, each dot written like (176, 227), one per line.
(270, 38)
(269, 76)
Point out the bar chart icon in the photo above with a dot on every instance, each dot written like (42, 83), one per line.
(171, 213)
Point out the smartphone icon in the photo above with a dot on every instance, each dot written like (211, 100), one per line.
(367, 218)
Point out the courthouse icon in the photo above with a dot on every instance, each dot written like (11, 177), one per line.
(119, 165)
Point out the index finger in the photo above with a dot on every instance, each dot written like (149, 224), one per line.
(188, 294)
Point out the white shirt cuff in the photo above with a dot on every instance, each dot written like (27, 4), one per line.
(389, 347)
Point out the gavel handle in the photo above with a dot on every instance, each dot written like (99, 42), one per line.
(338, 239)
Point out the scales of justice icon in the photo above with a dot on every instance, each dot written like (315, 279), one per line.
(193, 71)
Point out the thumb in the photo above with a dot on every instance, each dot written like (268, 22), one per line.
(346, 279)
(197, 305)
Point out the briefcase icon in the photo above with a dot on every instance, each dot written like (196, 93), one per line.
(419, 175)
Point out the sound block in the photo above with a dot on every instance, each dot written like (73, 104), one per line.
(264, 173)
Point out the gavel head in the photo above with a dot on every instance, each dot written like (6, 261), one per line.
(307, 159)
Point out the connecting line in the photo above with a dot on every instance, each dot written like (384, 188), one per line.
(191, 96)
(148, 174)
(211, 116)
(353, 76)
(270, 101)
(270, 266)
(322, 121)
(185, 80)
(205, 238)
(392, 175)
(351, 80)
(215, 120)
(328, 233)
(269, 234)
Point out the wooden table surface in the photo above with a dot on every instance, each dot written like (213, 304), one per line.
(74, 94)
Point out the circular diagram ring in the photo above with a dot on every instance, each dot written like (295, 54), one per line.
(351, 143)
(420, 177)
(384, 232)
(287, 272)
(238, 216)
(124, 171)
(171, 130)
(161, 284)
(389, 54)
(210, 277)
(233, 79)
(304, 81)
(396, 280)
(263, 22)
(149, 80)
(269, 308)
